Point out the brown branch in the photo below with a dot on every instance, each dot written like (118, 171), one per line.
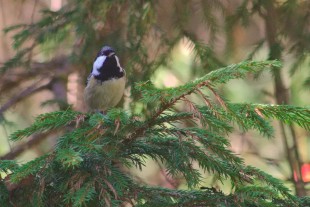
(33, 141)
(203, 96)
(218, 97)
(282, 97)
(33, 11)
(23, 94)
(59, 66)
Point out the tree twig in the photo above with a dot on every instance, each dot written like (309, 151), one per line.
(23, 94)
(33, 141)
(282, 97)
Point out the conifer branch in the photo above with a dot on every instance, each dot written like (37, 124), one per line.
(46, 122)
(85, 164)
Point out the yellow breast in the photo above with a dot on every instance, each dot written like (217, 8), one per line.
(101, 96)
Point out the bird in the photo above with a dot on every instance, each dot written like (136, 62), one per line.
(106, 82)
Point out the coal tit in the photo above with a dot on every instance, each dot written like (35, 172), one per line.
(106, 82)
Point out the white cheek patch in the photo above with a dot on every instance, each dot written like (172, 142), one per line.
(97, 65)
(118, 64)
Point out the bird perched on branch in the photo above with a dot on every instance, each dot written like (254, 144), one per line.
(106, 82)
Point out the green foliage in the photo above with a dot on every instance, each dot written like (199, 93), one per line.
(285, 113)
(69, 157)
(85, 168)
(47, 122)
(7, 165)
(30, 168)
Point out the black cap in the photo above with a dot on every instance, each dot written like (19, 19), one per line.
(105, 50)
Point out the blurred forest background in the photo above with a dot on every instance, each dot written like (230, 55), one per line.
(46, 57)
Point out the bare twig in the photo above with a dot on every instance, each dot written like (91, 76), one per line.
(282, 97)
(23, 94)
(59, 65)
(217, 96)
(203, 96)
(33, 141)
(7, 136)
(34, 10)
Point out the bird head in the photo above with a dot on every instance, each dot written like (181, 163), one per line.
(106, 51)
(106, 65)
